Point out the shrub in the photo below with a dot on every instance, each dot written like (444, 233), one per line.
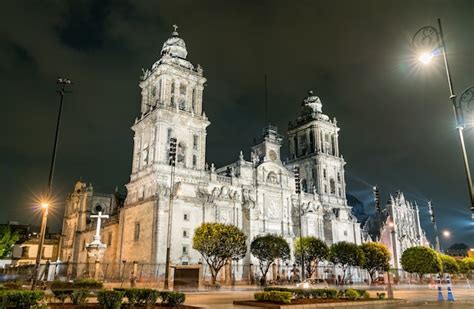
(110, 299)
(365, 295)
(133, 295)
(274, 296)
(143, 297)
(12, 286)
(381, 295)
(61, 285)
(61, 295)
(305, 293)
(361, 292)
(351, 294)
(331, 293)
(89, 284)
(20, 299)
(149, 297)
(172, 298)
(79, 297)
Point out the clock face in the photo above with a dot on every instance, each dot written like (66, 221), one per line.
(272, 154)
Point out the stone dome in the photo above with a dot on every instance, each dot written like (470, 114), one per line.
(175, 46)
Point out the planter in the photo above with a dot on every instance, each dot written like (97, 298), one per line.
(92, 305)
(318, 303)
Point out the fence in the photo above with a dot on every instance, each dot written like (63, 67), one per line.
(230, 275)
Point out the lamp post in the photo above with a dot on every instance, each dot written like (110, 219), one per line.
(45, 205)
(431, 40)
(296, 171)
(172, 163)
(435, 227)
(395, 257)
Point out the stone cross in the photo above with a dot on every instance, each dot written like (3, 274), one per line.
(175, 27)
(99, 217)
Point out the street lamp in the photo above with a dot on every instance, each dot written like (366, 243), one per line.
(296, 172)
(173, 144)
(62, 82)
(431, 41)
(435, 227)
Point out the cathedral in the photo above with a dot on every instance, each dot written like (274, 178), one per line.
(397, 226)
(256, 192)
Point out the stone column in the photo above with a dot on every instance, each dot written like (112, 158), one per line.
(97, 270)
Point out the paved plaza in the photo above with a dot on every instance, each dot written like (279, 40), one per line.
(416, 297)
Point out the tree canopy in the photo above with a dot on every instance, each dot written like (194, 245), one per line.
(219, 243)
(7, 240)
(421, 260)
(377, 258)
(450, 265)
(267, 249)
(466, 265)
(346, 255)
(314, 251)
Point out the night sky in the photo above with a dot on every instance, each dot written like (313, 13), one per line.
(397, 124)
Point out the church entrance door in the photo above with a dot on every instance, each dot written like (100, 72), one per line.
(186, 278)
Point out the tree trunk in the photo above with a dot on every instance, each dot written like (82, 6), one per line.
(263, 280)
(371, 275)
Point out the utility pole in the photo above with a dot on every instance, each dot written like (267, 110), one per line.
(45, 204)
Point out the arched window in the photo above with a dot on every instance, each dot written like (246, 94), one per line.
(304, 185)
(181, 154)
(158, 90)
(172, 93)
(311, 141)
(295, 143)
(332, 185)
(193, 100)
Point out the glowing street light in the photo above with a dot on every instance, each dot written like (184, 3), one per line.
(431, 39)
(425, 58)
(446, 233)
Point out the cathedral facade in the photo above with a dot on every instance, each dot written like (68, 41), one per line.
(397, 226)
(256, 192)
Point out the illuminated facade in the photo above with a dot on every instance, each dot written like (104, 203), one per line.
(256, 192)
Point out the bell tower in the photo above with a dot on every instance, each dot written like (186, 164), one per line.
(171, 106)
(314, 147)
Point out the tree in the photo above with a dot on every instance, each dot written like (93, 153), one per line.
(458, 249)
(421, 260)
(449, 264)
(377, 258)
(7, 240)
(346, 255)
(218, 243)
(267, 249)
(466, 265)
(314, 251)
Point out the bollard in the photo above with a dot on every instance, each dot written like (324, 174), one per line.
(450, 291)
(440, 291)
